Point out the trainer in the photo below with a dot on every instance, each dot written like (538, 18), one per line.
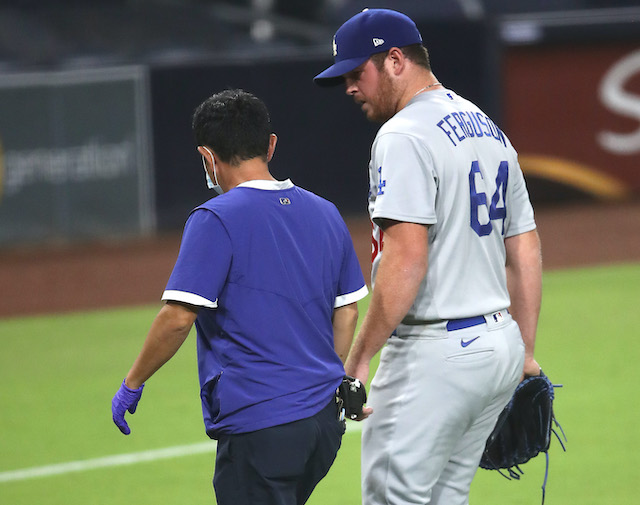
(268, 273)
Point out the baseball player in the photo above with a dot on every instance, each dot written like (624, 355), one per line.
(456, 268)
(268, 273)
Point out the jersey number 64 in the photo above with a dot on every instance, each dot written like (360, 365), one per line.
(481, 210)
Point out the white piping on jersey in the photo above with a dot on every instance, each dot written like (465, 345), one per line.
(346, 299)
(267, 185)
(190, 298)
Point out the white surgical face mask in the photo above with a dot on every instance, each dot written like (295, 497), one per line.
(210, 184)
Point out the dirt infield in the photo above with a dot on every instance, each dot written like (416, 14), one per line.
(100, 275)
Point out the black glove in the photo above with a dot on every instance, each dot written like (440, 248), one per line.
(523, 429)
(353, 396)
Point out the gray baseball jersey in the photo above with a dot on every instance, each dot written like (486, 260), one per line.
(440, 161)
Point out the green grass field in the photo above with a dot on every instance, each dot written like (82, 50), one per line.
(60, 372)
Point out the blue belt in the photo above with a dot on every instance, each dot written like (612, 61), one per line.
(466, 322)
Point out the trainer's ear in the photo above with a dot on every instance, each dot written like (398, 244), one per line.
(206, 154)
(273, 140)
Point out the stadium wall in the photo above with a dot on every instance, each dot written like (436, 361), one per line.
(569, 99)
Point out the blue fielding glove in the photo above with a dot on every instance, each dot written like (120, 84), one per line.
(125, 399)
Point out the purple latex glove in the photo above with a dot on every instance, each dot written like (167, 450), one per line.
(125, 399)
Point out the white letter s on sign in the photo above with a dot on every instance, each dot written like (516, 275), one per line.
(616, 99)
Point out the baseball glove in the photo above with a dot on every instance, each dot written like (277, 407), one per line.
(523, 429)
(352, 396)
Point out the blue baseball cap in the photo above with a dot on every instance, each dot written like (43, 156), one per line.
(368, 32)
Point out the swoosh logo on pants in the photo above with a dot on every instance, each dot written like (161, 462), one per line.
(465, 343)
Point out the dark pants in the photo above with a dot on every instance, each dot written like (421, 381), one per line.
(279, 465)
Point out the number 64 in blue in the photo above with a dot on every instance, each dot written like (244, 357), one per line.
(480, 199)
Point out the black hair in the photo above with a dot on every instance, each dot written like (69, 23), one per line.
(417, 53)
(235, 124)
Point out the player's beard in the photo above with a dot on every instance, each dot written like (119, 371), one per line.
(383, 107)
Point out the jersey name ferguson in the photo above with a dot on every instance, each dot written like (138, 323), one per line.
(441, 162)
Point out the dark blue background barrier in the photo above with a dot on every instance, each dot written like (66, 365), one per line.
(324, 139)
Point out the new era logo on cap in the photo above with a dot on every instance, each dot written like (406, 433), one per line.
(369, 32)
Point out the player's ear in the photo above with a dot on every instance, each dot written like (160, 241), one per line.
(273, 140)
(396, 59)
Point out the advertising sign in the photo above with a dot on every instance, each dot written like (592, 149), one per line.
(74, 155)
(573, 113)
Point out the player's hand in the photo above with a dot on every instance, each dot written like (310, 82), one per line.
(366, 412)
(359, 371)
(531, 368)
(125, 399)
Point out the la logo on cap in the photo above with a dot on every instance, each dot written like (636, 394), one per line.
(335, 47)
